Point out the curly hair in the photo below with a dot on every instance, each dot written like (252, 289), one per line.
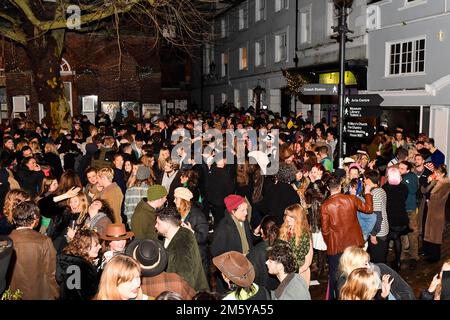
(12, 199)
(82, 243)
(281, 252)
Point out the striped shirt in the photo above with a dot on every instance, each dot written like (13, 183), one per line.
(379, 208)
(132, 198)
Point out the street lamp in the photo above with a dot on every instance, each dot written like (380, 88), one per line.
(342, 30)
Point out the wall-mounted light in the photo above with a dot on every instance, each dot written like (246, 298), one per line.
(441, 35)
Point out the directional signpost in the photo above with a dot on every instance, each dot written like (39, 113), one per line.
(356, 129)
(319, 89)
(361, 106)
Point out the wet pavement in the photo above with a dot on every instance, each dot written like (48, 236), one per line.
(418, 279)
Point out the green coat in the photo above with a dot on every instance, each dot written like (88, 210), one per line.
(185, 259)
(143, 221)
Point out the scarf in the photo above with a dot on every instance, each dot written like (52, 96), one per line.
(242, 235)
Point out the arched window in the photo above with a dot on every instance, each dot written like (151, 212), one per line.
(65, 68)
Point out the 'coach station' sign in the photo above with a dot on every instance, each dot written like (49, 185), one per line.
(319, 89)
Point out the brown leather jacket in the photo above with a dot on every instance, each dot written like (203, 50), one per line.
(340, 226)
(33, 265)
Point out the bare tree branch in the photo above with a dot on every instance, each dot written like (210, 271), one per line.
(15, 35)
(24, 6)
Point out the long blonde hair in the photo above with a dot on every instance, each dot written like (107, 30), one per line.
(362, 284)
(301, 224)
(118, 270)
(352, 258)
(184, 208)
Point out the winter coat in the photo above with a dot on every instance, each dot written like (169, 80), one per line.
(32, 266)
(258, 257)
(88, 283)
(185, 260)
(435, 222)
(201, 231)
(29, 181)
(226, 236)
(277, 198)
(396, 196)
(293, 287)
(143, 221)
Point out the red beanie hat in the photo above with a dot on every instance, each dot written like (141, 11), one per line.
(233, 201)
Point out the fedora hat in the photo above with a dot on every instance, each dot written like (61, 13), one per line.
(116, 231)
(236, 267)
(150, 254)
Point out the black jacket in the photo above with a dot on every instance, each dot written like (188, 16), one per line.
(395, 204)
(258, 257)
(218, 185)
(277, 197)
(226, 236)
(176, 182)
(201, 228)
(29, 181)
(66, 278)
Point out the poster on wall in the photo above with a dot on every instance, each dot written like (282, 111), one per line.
(131, 106)
(89, 104)
(149, 110)
(110, 108)
(20, 104)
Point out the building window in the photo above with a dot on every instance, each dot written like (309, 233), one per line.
(243, 58)
(305, 25)
(407, 57)
(237, 99)
(260, 53)
(223, 28)
(224, 97)
(332, 19)
(260, 10)
(208, 55)
(224, 64)
(243, 17)
(281, 4)
(281, 47)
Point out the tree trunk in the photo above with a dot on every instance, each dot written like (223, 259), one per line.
(45, 54)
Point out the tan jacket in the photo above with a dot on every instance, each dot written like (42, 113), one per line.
(340, 226)
(114, 196)
(33, 265)
(435, 222)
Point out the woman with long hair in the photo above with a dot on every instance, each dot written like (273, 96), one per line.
(68, 180)
(99, 216)
(295, 230)
(81, 252)
(437, 192)
(363, 284)
(193, 218)
(396, 195)
(121, 280)
(189, 179)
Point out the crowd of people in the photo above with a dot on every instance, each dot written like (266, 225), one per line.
(122, 210)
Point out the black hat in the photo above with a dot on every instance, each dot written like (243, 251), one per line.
(150, 254)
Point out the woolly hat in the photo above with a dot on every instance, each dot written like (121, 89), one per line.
(142, 173)
(156, 192)
(233, 201)
(183, 193)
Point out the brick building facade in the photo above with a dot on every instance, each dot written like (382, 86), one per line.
(91, 68)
